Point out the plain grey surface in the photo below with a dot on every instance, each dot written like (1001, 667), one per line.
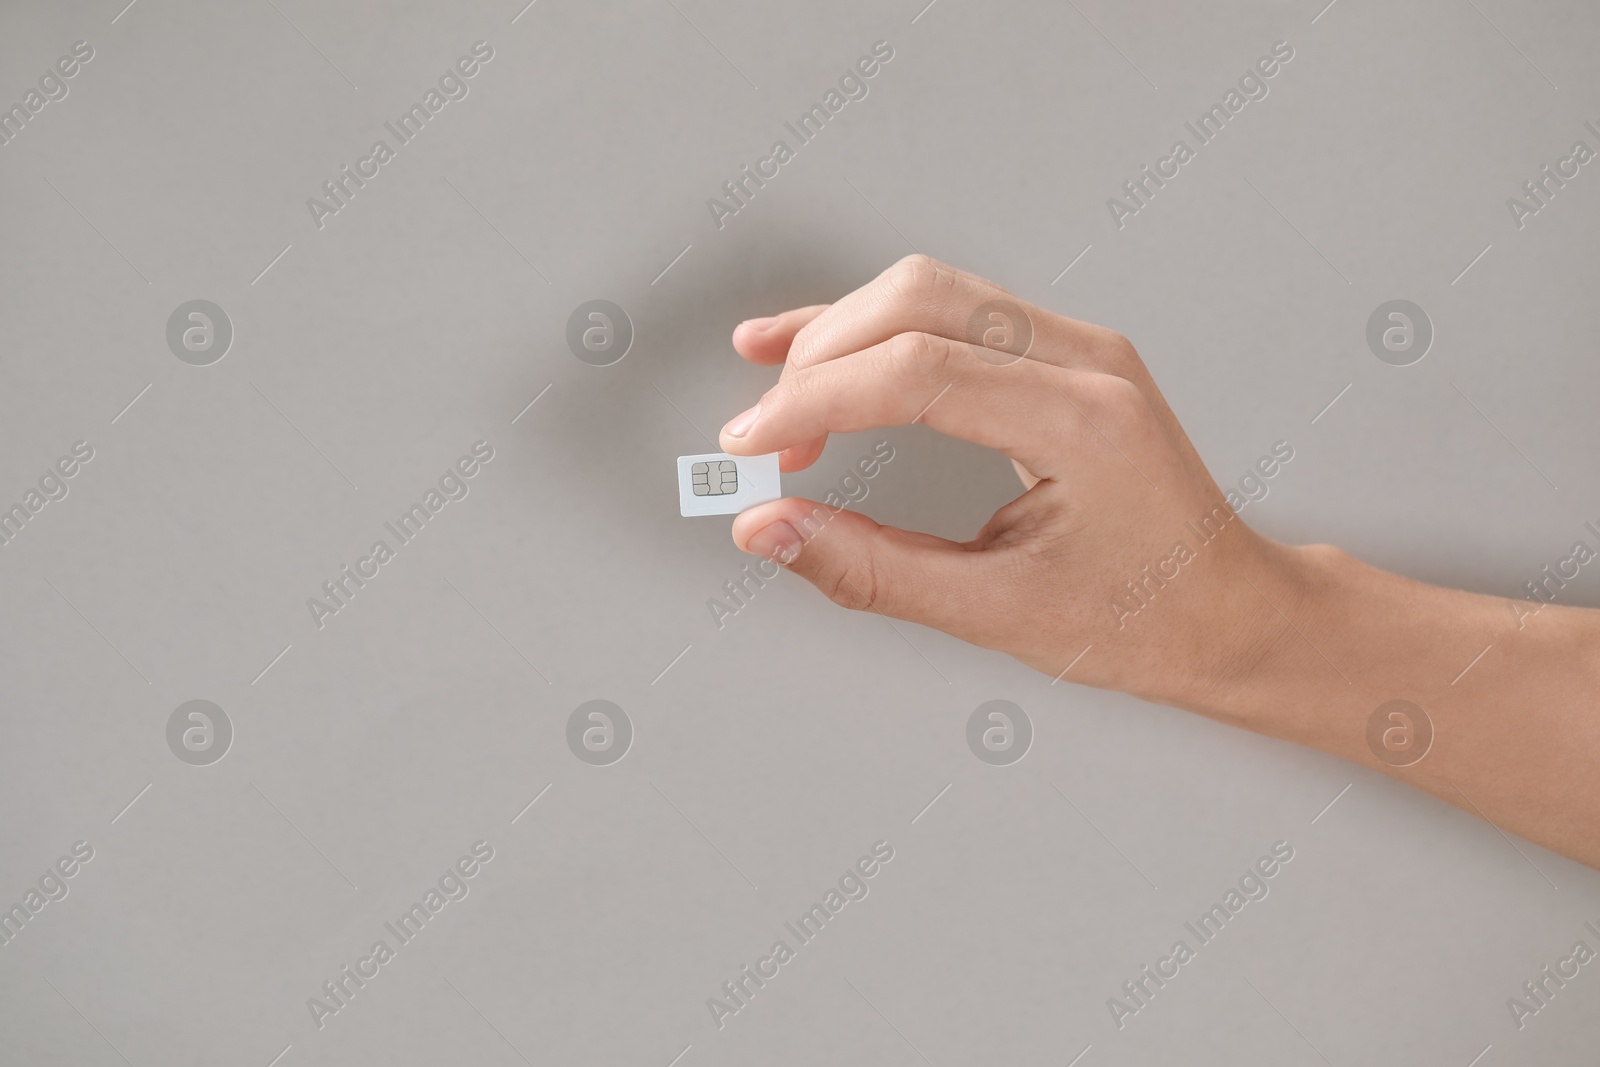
(371, 353)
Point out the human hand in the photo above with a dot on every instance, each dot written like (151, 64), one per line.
(1123, 566)
(1121, 543)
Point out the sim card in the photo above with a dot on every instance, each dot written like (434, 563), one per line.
(720, 484)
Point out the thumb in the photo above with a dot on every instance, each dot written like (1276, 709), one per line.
(860, 564)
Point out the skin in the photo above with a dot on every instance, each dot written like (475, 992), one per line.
(1303, 643)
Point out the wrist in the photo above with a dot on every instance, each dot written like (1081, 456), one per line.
(1277, 650)
(1322, 640)
(1497, 691)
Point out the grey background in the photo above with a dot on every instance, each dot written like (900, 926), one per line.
(776, 750)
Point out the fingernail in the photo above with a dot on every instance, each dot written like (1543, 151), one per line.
(740, 424)
(760, 325)
(778, 542)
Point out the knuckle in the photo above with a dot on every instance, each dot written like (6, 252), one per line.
(1111, 402)
(1122, 403)
(915, 281)
(852, 585)
(1117, 352)
(784, 391)
(803, 394)
(915, 355)
(803, 350)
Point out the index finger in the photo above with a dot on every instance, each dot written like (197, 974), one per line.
(1021, 409)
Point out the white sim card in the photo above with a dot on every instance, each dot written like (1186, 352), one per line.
(720, 484)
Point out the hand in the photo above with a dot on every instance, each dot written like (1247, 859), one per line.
(1122, 540)
(1123, 561)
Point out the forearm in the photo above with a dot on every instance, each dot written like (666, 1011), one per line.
(1510, 695)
